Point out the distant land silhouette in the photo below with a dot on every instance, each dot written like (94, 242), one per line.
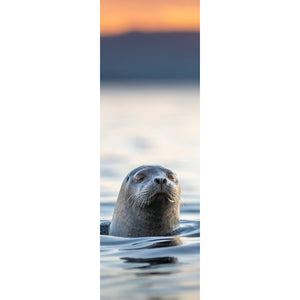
(157, 56)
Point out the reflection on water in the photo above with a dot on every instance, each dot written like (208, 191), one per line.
(137, 268)
(150, 125)
(166, 243)
(152, 261)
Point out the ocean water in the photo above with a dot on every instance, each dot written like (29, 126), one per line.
(150, 124)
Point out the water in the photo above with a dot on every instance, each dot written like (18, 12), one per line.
(150, 124)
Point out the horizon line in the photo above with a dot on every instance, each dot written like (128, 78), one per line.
(147, 32)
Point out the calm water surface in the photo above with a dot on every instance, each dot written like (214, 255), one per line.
(150, 124)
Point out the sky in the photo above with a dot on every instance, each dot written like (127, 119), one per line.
(119, 16)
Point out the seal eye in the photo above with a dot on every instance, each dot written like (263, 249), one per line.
(172, 176)
(139, 177)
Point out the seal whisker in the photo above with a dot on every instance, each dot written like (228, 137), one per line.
(145, 196)
(138, 200)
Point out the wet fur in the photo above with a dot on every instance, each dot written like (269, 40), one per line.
(145, 209)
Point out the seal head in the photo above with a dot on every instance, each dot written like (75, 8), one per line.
(147, 204)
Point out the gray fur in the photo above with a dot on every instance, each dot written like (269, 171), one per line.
(149, 207)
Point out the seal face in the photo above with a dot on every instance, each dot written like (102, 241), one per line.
(147, 204)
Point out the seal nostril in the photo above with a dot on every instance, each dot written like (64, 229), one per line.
(160, 180)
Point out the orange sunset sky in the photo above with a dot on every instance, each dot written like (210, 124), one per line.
(119, 16)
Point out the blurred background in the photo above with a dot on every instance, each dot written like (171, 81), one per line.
(149, 101)
(150, 62)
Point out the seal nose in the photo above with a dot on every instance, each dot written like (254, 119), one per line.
(160, 180)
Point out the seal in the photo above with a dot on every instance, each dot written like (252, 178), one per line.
(148, 203)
